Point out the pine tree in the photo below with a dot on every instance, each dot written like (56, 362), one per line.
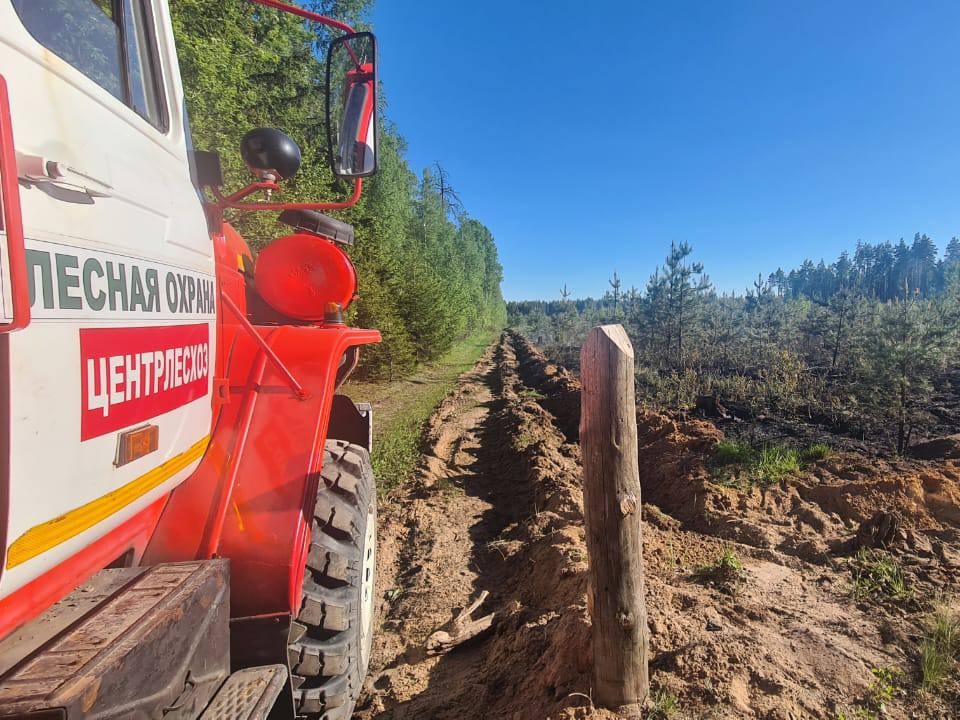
(615, 293)
(952, 254)
(923, 264)
(684, 293)
(906, 349)
(655, 318)
(758, 300)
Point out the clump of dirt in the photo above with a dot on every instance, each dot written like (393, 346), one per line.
(749, 592)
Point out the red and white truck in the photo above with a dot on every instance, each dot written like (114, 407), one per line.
(187, 508)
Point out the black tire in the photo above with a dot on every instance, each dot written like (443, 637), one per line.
(330, 638)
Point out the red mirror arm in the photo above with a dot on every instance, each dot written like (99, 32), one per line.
(294, 10)
(232, 201)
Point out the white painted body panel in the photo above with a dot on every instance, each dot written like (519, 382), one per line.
(152, 217)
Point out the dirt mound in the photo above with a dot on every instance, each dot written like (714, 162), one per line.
(748, 591)
(812, 514)
(937, 449)
(555, 387)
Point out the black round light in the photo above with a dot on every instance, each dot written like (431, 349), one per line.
(268, 150)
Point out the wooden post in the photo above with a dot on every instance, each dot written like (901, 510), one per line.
(611, 499)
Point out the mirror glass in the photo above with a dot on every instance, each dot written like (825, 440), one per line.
(352, 105)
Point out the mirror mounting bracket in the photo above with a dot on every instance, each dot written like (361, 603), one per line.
(306, 14)
(233, 202)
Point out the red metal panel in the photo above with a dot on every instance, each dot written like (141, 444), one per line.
(272, 516)
(252, 497)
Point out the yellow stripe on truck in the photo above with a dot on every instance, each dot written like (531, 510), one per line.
(39, 539)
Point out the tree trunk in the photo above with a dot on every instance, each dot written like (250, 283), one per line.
(901, 418)
(680, 330)
(836, 345)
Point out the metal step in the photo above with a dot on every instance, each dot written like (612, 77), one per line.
(247, 694)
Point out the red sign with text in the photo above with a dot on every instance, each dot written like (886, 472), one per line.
(129, 375)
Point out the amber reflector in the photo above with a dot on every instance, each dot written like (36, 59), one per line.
(135, 444)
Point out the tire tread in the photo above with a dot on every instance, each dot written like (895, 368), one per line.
(324, 652)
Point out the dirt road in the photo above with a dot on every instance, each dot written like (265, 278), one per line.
(496, 506)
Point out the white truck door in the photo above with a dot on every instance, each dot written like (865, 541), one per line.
(121, 269)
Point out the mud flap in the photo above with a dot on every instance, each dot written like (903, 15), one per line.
(351, 422)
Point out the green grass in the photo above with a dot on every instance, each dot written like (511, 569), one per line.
(887, 683)
(730, 452)
(401, 408)
(523, 440)
(737, 464)
(940, 647)
(664, 707)
(886, 680)
(775, 462)
(530, 394)
(727, 568)
(812, 453)
(877, 574)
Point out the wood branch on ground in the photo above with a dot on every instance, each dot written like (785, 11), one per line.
(880, 531)
(461, 629)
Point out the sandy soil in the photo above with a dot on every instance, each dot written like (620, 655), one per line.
(496, 505)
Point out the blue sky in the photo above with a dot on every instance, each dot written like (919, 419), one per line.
(588, 136)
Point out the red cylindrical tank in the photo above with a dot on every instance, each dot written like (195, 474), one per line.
(300, 275)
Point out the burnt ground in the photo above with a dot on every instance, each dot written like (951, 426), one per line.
(762, 425)
(496, 506)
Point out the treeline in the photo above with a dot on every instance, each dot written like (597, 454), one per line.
(428, 272)
(879, 271)
(860, 343)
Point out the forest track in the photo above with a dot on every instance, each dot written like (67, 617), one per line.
(496, 506)
(480, 515)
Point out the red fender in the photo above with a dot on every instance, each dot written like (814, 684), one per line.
(262, 466)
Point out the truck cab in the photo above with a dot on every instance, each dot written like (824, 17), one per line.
(120, 273)
(169, 408)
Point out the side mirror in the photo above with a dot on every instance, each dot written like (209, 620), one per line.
(270, 154)
(352, 105)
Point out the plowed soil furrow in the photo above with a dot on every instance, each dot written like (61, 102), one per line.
(470, 521)
(496, 506)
